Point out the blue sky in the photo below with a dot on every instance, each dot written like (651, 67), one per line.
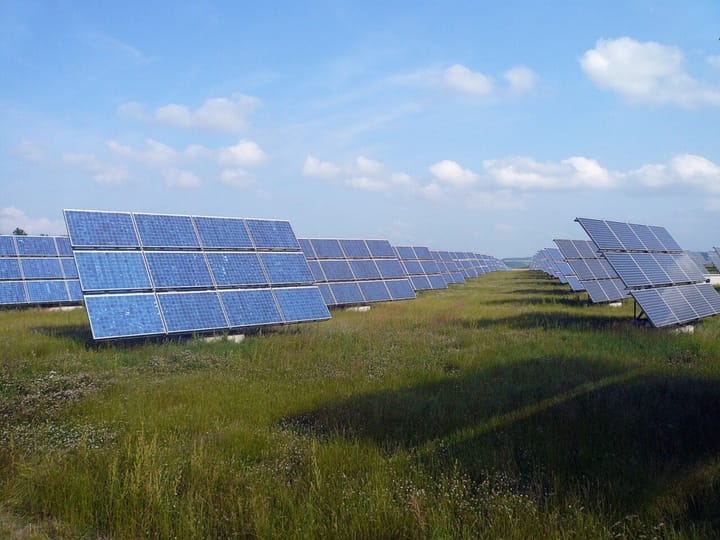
(472, 126)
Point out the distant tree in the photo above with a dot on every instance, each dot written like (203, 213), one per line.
(19, 232)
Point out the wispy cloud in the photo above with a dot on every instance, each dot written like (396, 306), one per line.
(646, 72)
(115, 46)
(12, 217)
(221, 114)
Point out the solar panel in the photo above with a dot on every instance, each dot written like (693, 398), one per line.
(352, 271)
(664, 281)
(593, 272)
(419, 264)
(36, 270)
(189, 274)
(400, 289)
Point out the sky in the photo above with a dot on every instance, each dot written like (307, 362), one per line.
(473, 126)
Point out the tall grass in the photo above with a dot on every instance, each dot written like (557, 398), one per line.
(506, 407)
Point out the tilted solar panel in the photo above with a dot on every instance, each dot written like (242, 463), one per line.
(166, 231)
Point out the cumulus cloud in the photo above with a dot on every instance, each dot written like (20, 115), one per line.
(237, 178)
(528, 174)
(521, 79)
(180, 178)
(29, 151)
(462, 79)
(320, 169)
(102, 173)
(221, 114)
(367, 184)
(451, 173)
(685, 170)
(368, 166)
(646, 72)
(156, 153)
(243, 153)
(12, 217)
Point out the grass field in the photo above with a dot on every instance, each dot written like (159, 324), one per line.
(503, 408)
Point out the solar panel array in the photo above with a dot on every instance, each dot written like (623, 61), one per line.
(664, 281)
(153, 274)
(714, 257)
(37, 270)
(452, 272)
(353, 272)
(421, 267)
(551, 261)
(592, 270)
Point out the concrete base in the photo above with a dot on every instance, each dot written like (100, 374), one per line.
(233, 338)
(615, 304)
(64, 308)
(358, 309)
(714, 279)
(687, 329)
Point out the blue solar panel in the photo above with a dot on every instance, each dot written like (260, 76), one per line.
(63, 246)
(627, 268)
(355, 249)
(687, 265)
(600, 233)
(429, 267)
(413, 267)
(710, 294)
(236, 269)
(420, 283)
(12, 292)
(46, 291)
(422, 252)
(74, 290)
(668, 242)
(364, 269)
(42, 246)
(400, 289)
(41, 268)
(250, 307)
(649, 266)
(287, 268)
(7, 245)
(222, 233)
(267, 234)
(112, 270)
(390, 268)
(347, 293)
(380, 248)
(158, 230)
(307, 248)
(192, 311)
(626, 235)
(316, 270)
(123, 315)
(337, 270)
(647, 237)
(68, 267)
(10, 269)
(327, 248)
(374, 291)
(176, 269)
(327, 294)
(406, 252)
(437, 281)
(301, 304)
(101, 229)
(696, 299)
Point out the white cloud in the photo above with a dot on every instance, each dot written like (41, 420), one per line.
(367, 166)
(714, 61)
(12, 217)
(521, 79)
(451, 173)
(527, 174)
(222, 114)
(237, 178)
(685, 170)
(102, 173)
(367, 184)
(244, 153)
(157, 153)
(646, 72)
(496, 200)
(320, 169)
(180, 178)
(462, 79)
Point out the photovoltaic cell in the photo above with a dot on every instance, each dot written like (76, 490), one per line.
(12, 292)
(41, 246)
(10, 269)
(364, 269)
(68, 267)
(420, 283)
(326, 248)
(400, 289)
(7, 246)
(166, 231)
(101, 229)
(600, 233)
(355, 249)
(380, 248)
(316, 270)
(406, 252)
(112, 270)
(41, 268)
(123, 315)
(63, 246)
(270, 234)
(374, 291)
(347, 293)
(286, 268)
(327, 294)
(390, 268)
(236, 269)
(50, 291)
(307, 248)
(301, 304)
(250, 307)
(337, 270)
(175, 269)
(74, 290)
(192, 311)
(222, 233)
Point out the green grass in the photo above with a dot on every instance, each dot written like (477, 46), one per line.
(503, 408)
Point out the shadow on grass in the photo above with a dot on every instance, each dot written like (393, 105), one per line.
(554, 291)
(547, 320)
(572, 301)
(616, 438)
